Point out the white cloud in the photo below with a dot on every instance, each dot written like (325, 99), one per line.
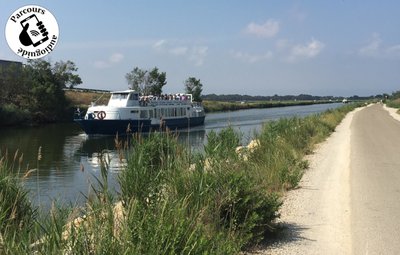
(116, 58)
(179, 51)
(375, 48)
(112, 60)
(394, 50)
(159, 45)
(192, 53)
(101, 64)
(372, 49)
(252, 58)
(197, 54)
(269, 29)
(306, 51)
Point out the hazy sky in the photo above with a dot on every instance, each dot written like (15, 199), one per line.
(333, 47)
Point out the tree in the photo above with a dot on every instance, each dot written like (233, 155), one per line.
(47, 94)
(12, 84)
(146, 81)
(195, 87)
(156, 81)
(135, 79)
(63, 72)
(396, 94)
(36, 90)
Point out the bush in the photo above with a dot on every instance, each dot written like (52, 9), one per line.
(12, 115)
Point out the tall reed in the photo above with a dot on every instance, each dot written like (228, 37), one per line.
(17, 215)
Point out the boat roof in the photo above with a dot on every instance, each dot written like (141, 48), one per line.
(123, 91)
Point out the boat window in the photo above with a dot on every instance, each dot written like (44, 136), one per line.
(144, 114)
(134, 97)
(134, 111)
(182, 112)
(120, 96)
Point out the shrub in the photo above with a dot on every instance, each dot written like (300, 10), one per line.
(12, 115)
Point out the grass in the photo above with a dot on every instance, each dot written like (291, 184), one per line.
(16, 212)
(217, 106)
(83, 99)
(395, 103)
(174, 201)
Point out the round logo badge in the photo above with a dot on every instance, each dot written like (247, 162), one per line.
(32, 32)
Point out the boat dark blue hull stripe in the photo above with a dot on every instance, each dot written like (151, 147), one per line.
(112, 127)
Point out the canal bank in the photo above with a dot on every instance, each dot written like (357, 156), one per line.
(70, 158)
(221, 210)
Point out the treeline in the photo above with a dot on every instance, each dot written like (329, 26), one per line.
(34, 93)
(151, 82)
(221, 106)
(301, 97)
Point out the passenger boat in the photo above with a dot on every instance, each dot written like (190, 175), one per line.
(129, 112)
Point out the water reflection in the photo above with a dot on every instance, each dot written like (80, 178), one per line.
(70, 159)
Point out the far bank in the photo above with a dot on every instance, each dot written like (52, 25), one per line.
(84, 98)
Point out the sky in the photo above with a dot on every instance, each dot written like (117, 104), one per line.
(253, 47)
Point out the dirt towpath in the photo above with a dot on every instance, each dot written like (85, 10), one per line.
(348, 202)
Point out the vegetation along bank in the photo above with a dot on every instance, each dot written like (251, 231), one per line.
(173, 201)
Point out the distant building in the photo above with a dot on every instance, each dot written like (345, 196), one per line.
(7, 63)
(7, 66)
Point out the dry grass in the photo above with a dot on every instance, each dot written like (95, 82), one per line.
(85, 98)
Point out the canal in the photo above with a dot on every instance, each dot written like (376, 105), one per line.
(69, 159)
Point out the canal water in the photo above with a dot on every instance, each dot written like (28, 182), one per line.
(69, 159)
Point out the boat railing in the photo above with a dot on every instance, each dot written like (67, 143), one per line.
(163, 102)
(171, 99)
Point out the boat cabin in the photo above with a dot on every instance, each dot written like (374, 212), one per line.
(129, 98)
(124, 98)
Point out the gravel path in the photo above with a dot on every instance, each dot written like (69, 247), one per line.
(375, 182)
(315, 218)
(338, 211)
